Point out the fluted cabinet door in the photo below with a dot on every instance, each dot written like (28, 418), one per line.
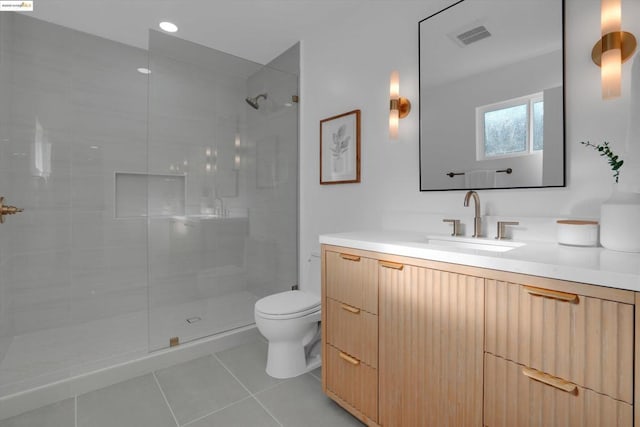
(431, 347)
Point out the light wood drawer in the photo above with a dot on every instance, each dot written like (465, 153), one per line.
(588, 341)
(352, 279)
(353, 331)
(512, 398)
(352, 381)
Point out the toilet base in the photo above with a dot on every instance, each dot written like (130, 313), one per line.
(288, 360)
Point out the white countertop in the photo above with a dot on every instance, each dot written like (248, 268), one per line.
(597, 266)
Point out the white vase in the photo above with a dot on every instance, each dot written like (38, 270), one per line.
(620, 221)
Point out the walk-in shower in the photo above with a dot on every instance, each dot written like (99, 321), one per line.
(157, 207)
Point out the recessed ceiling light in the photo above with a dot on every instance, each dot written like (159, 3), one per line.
(143, 70)
(169, 27)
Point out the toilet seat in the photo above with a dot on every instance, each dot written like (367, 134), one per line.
(287, 305)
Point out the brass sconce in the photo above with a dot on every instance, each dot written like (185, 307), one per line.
(399, 107)
(613, 49)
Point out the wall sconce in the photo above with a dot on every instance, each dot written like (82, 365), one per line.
(399, 107)
(613, 49)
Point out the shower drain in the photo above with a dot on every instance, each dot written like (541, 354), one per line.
(194, 319)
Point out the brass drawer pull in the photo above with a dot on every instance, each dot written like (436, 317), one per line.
(352, 360)
(350, 257)
(547, 293)
(350, 309)
(393, 265)
(547, 379)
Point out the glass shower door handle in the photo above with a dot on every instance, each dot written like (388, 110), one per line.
(7, 210)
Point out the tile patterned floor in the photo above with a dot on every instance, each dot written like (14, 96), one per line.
(229, 388)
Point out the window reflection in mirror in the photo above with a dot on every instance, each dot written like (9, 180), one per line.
(491, 95)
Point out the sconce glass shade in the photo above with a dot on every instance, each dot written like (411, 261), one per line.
(610, 16)
(611, 66)
(611, 73)
(394, 121)
(394, 85)
(394, 113)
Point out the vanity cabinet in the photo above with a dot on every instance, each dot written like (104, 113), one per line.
(412, 342)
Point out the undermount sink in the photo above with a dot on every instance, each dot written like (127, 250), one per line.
(479, 244)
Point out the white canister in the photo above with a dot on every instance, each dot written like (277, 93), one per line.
(619, 216)
(577, 232)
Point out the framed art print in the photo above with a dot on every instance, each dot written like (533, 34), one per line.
(340, 148)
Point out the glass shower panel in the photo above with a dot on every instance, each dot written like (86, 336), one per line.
(72, 276)
(225, 238)
(272, 176)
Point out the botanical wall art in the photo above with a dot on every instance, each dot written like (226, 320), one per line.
(340, 148)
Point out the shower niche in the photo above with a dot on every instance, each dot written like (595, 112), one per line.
(141, 195)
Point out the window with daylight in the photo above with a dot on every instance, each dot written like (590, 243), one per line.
(510, 128)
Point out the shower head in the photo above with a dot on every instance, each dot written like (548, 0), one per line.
(254, 101)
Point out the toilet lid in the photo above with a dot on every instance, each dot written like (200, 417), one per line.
(289, 302)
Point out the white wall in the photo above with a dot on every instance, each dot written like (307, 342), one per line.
(348, 68)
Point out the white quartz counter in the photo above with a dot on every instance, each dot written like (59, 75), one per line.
(597, 266)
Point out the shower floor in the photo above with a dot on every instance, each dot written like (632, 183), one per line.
(40, 358)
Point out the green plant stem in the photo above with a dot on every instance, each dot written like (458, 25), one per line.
(614, 161)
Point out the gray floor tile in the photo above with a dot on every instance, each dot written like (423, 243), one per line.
(199, 387)
(133, 403)
(248, 363)
(317, 373)
(61, 414)
(247, 413)
(300, 402)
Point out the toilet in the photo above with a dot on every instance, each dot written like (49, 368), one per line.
(290, 321)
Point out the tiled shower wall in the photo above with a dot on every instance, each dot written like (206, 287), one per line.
(77, 113)
(234, 156)
(196, 114)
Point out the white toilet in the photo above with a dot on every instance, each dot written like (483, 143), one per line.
(290, 321)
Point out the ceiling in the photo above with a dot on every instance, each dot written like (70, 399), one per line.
(258, 30)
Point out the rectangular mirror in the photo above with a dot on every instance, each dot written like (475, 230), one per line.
(492, 95)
